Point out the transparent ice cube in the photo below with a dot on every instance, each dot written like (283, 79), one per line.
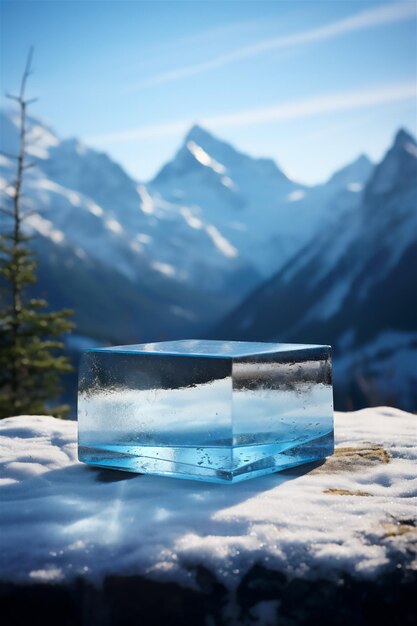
(220, 411)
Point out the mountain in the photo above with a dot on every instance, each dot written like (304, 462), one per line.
(354, 286)
(170, 258)
(353, 176)
(132, 265)
(263, 214)
(219, 235)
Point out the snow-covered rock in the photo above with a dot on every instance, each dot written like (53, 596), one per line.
(352, 515)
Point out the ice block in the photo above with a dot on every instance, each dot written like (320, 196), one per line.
(220, 411)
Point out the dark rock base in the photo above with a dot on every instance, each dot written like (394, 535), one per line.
(137, 601)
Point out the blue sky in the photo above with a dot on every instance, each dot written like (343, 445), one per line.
(310, 83)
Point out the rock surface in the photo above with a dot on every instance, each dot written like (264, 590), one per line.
(328, 543)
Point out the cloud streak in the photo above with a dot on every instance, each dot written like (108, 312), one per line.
(386, 14)
(299, 109)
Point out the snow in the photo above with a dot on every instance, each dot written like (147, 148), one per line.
(221, 242)
(114, 226)
(411, 148)
(204, 158)
(296, 195)
(164, 268)
(147, 202)
(45, 228)
(94, 209)
(191, 219)
(61, 519)
(355, 187)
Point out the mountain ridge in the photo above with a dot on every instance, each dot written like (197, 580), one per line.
(224, 236)
(353, 286)
(239, 195)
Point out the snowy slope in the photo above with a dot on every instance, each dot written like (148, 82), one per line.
(353, 286)
(262, 213)
(151, 228)
(89, 263)
(88, 208)
(160, 230)
(353, 515)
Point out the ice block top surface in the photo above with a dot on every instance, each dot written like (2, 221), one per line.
(208, 348)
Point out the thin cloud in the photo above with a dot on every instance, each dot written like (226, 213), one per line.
(317, 106)
(386, 14)
(299, 109)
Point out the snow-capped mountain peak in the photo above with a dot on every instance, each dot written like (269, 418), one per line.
(353, 176)
(399, 164)
(209, 152)
(76, 166)
(216, 147)
(204, 158)
(239, 194)
(199, 134)
(403, 139)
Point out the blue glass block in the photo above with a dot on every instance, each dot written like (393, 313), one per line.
(220, 411)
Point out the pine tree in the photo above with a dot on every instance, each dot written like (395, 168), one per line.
(30, 336)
